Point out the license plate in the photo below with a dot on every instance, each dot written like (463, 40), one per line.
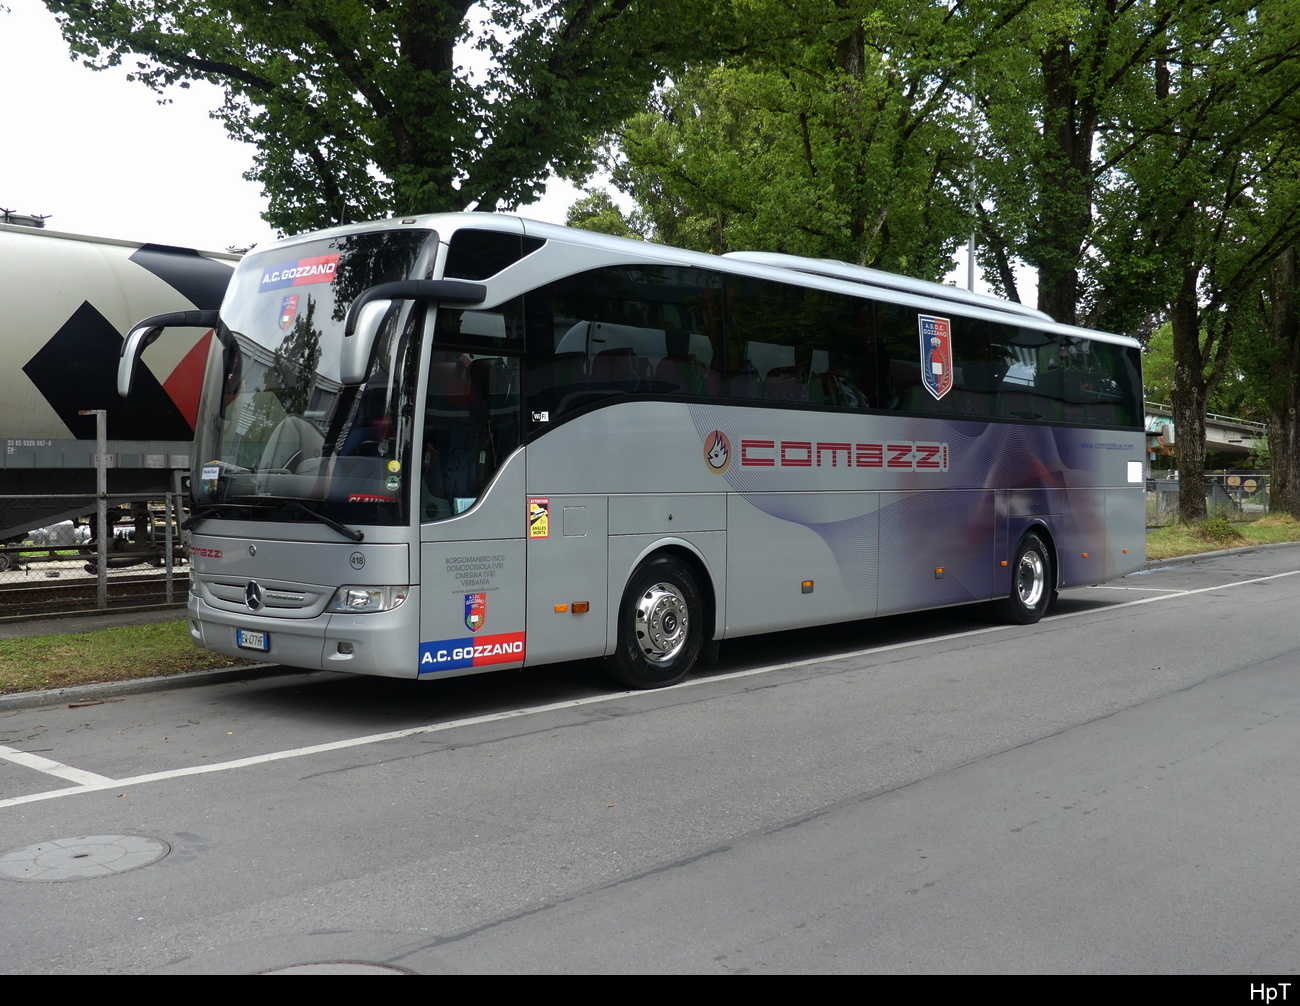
(253, 640)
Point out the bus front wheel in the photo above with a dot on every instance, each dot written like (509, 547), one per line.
(660, 625)
(1031, 584)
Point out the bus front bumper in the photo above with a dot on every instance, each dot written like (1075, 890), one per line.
(381, 642)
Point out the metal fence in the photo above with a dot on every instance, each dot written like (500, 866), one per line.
(1235, 495)
(68, 566)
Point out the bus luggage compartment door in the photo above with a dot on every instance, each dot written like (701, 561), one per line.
(568, 543)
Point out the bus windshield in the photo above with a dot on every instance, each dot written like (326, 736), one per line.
(279, 427)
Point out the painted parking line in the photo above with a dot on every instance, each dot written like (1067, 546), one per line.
(1153, 590)
(51, 767)
(96, 783)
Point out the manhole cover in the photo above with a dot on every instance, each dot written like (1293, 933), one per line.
(339, 968)
(82, 858)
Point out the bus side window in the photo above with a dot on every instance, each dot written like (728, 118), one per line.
(1018, 384)
(471, 425)
(622, 331)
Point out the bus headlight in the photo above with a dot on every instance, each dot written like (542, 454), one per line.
(359, 600)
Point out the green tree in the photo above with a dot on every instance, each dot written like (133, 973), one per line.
(359, 108)
(1238, 394)
(1206, 202)
(596, 211)
(838, 131)
(1277, 369)
(1062, 87)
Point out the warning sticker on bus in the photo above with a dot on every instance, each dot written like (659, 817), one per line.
(539, 517)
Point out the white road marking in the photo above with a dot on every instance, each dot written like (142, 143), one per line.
(1154, 590)
(50, 767)
(95, 783)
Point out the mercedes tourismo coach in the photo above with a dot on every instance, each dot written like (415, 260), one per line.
(448, 444)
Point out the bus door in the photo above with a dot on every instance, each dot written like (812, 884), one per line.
(472, 534)
(567, 608)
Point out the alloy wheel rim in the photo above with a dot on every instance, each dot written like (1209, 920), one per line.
(662, 623)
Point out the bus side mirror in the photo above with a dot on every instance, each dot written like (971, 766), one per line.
(358, 345)
(143, 335)
(365, 316)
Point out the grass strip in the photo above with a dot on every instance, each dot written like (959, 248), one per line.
(34, 663)
(1216, 533)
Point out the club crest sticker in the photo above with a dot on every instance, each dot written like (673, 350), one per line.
(936, 354)
(288, 308)
(475, 611)
(717, 451)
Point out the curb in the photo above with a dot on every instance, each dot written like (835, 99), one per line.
(77, 694)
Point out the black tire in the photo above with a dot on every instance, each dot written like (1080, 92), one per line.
(660, 625)
(1033, 585)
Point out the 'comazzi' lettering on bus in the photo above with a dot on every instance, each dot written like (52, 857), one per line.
(908, 456)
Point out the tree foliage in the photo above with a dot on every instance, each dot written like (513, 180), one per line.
(1060, 89)
(360, 108)
(1207, 200)
(596, 211)
(1143, 158)
(836, 132)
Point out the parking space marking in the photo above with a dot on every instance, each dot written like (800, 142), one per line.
(95, 783)
(51, 767)
(1154, 590)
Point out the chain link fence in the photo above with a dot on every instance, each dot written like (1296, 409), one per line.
(56, 569)
(1235, 495)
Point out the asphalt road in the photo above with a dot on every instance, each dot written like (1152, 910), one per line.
(1111, 790)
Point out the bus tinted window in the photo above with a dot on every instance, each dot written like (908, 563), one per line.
(1065, 379)
(667, 330)
(621, 331)
(958, 376)
(478, 255)
(1097, 382)
(793, 345)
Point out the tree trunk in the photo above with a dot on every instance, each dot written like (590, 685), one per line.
(1283, 419)
(1190, 397)
(1064, 184)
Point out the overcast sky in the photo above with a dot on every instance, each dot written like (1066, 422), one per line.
(101, 156)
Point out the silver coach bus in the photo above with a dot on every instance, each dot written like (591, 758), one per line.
(456, 443)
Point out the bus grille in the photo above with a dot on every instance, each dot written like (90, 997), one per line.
(279, 598)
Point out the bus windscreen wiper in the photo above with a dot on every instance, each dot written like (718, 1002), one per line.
(343, 529)
(214, 509)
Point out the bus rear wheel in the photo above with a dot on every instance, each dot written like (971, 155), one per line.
(660, 625)
(1031, 584)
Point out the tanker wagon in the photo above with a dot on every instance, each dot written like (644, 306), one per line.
(66, 301)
